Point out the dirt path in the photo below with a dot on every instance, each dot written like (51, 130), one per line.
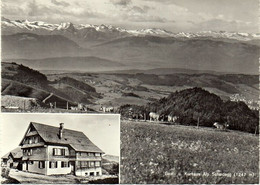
(31, 178)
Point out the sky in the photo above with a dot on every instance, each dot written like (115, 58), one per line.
(102, 130)
(172, 15)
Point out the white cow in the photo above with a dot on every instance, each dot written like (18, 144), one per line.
(154, 116)
(221, 126)
(107, 109)
(172, 118)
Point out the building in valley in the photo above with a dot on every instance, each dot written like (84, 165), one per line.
(55, 150)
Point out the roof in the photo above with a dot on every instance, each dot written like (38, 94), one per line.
(16, 153)
(77, 140)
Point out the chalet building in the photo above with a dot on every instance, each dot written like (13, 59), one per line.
(13, 159)
(55, 150)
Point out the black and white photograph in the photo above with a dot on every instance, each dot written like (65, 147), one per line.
(60, 149)
(183, 75)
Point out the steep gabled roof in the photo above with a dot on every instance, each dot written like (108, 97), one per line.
(16, 153)
(77, 140)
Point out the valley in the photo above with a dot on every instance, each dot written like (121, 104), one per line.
(117, 89)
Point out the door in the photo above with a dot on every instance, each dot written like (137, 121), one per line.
(72, 166)
(27, 164)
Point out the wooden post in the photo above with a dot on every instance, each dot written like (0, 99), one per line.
(55, 105)
(144, 116)
(24, 105)
(255, 130)
(198, 122)
(67, 105)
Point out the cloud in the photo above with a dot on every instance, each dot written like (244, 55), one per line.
(121, 2)
(60, 3)
(148, 18)
(33, 8)
(11, 10)
(226, 25)
(140, 9)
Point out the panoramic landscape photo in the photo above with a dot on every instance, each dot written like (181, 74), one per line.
(182, 74)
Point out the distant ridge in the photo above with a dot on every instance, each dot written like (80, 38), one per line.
(166, 71)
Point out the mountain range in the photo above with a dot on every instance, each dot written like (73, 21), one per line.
(89, 30)
(129, 49)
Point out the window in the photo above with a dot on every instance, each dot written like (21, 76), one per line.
(41, 164)
(64, 164)
(31, 140)
(91, 173)
(97, 173)
(59, 151)
(83, 164)
(36, 140)
(97, 163)
(53, 164)
(28, 151)
(91, 154)
(97, 154)
(91, 164)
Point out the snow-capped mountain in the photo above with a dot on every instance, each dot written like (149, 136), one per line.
(104, 32)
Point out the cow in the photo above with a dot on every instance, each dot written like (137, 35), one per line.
(172, 118)
(107, 109)
(154, 116)
(162, 117)
(221, 126)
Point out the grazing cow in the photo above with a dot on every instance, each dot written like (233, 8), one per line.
(107, 109)
(172, 118)
(162, 117)
(154, 116)
(221, 126)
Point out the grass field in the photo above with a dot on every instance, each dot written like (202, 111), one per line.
(156, 153)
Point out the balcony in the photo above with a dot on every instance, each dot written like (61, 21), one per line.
(32, 145)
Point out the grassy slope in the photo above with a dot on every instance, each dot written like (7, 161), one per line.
(153, 153)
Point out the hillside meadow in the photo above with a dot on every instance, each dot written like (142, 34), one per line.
(157, 153)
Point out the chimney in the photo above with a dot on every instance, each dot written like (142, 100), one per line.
(61, 130)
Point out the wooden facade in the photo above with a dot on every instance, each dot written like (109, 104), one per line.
(54, 150)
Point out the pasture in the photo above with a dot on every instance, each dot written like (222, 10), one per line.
(156, 153)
